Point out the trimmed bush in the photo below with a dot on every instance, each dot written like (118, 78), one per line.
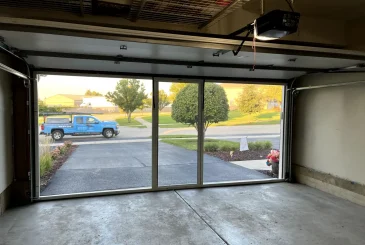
(260, 145)
(228, 147)
(267, 145)
(210, 147)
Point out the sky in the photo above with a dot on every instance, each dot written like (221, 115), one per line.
(50, 85)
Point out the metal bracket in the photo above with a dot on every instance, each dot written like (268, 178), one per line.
(295, 92)
(119, 57)
(235, 52)
(26, 83)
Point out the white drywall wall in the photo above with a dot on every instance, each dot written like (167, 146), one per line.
(329, 129)
(6, 156)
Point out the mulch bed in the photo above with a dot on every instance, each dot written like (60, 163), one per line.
(57, 164)
(244, 156)
(240, 155)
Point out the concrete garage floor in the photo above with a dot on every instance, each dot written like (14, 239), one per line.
(258, 214)
(98, 167)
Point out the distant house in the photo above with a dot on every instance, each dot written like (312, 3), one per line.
(64, 100)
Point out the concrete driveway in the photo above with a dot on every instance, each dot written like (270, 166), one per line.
(98, 167)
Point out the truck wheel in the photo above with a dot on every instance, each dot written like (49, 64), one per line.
(108, 133)
(57, 135)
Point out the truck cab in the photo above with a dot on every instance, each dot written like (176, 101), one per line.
(79, 125)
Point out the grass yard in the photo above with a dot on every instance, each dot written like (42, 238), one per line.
(134, 123)
(192, 144)
(177, 136)
(165, 121)
(235, 118)
(264, 118)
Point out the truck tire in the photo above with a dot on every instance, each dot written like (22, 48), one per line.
(108, 133)
(57, 135)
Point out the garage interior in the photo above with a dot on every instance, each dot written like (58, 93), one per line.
(319, 197)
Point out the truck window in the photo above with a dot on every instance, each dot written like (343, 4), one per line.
(79, 120)
(90, 120)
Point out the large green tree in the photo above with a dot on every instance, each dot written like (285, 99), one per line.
(185, 106)
(128, 96)
(250, 100)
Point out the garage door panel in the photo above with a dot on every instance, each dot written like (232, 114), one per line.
(82, 45)
(153, 69)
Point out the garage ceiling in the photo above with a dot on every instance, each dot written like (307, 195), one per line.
(90, 54)
(192, 12)
(327, 9)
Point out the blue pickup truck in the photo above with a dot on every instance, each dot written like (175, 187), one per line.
(78, 126)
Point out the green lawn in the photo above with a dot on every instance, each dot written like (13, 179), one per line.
(235, 118)
(177, 136)
(192, 144)
(134, 123)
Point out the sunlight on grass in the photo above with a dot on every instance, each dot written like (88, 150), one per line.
(177, 136)
(263, 118)
(235, 118)
(192, 144)
(133, 123)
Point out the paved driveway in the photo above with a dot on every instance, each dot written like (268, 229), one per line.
(99, 167)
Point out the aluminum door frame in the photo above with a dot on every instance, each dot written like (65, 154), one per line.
(155, 133)
(200, 164)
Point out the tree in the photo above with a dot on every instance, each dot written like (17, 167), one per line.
(175, 89)
(163, 100)
(185, 106)
(128, 96)
(92, 93)
(147, 103)
(42, 108)
(250, 100)
(272, 92)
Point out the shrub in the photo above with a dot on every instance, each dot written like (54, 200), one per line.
(229, 147)
(45, 154)
(210, 147)
(45, 163)
(56, 153)
(62, 149)
(267, 145)
(260, 145)
(68, 143)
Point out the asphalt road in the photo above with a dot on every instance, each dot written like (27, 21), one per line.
(140, 133)
(97, 167)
